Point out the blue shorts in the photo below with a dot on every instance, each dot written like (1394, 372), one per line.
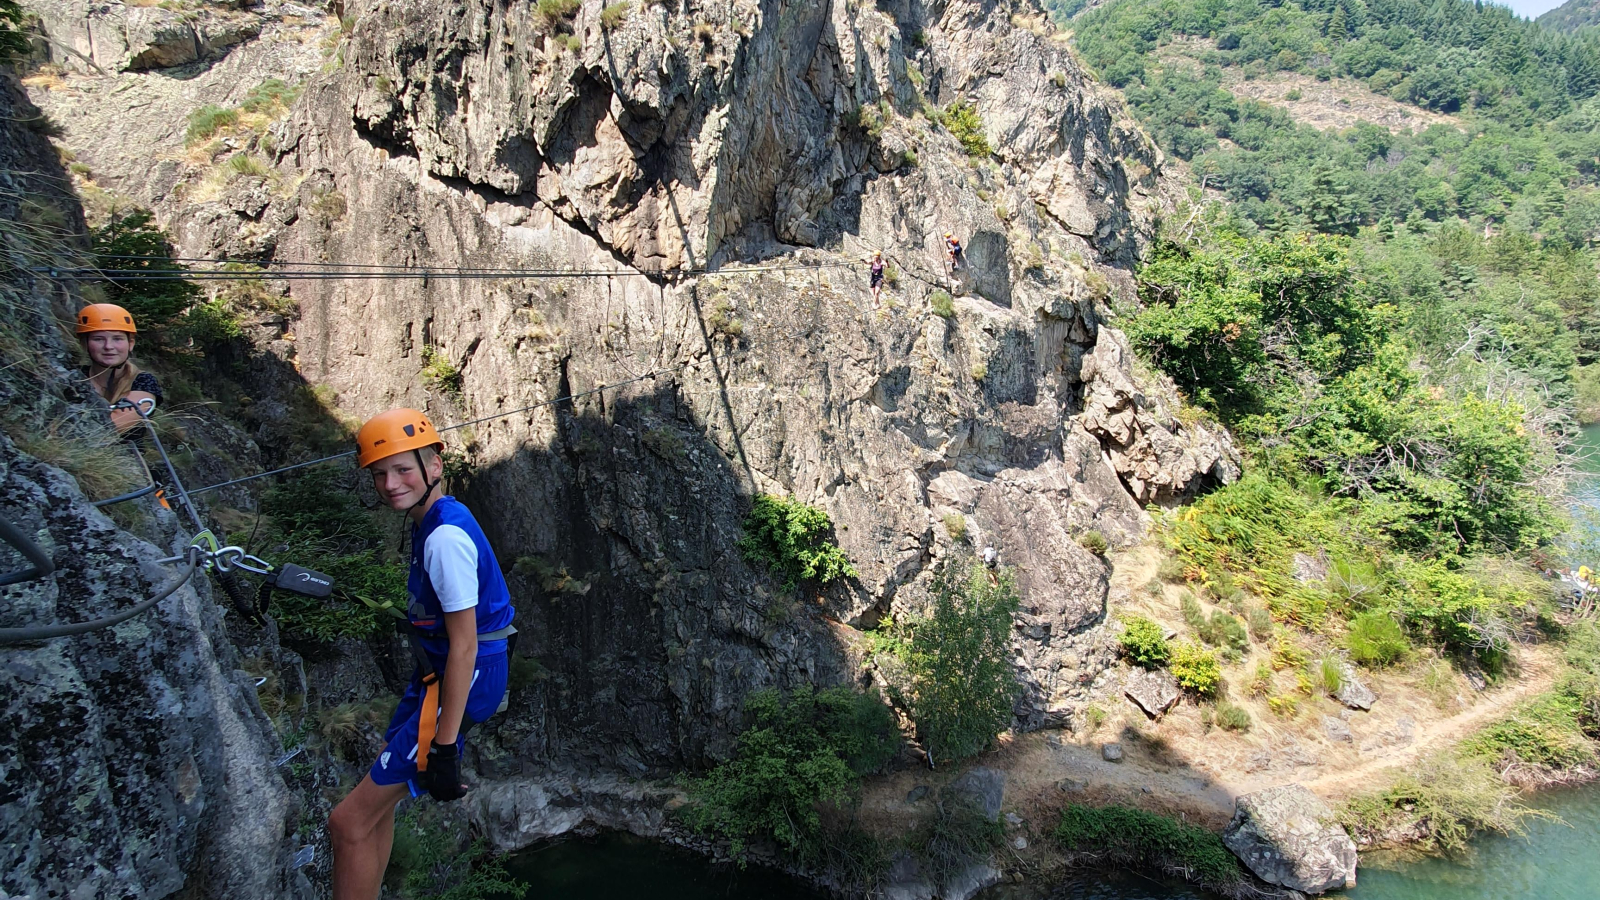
(397, 764)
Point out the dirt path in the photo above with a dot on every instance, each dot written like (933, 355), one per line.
(1180, 766)
(1538, 674)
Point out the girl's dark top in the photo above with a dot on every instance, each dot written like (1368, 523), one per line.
(146, 382)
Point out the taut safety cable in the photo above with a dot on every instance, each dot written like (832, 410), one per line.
(655, 373)
(315, 271)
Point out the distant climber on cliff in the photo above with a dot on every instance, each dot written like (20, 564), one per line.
(952, 248)
(458, 621)
(877, 268)
(107, 333)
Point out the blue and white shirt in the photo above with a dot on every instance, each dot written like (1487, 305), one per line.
(453, 568)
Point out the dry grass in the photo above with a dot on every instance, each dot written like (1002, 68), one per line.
(88, 450)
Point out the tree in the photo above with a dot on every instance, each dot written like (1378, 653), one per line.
(958, 680)
(131, 242)
(1329, 205)
(13, 40)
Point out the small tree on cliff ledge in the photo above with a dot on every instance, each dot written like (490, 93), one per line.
(957, 680)
(794, 541)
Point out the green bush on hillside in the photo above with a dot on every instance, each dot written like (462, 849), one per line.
(316, 521)
(1376, 639)
(1196, 668)
(132, 243)
(1144, 642)
(793, 541)
(1127, 836)
(963, 122)
(797, 755)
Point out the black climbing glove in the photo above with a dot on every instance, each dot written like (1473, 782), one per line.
(443, 775)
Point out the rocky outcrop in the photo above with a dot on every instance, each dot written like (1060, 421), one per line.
(1287, 836)
(97, 36)
(759, 137)
(514, 813)
(1160, 458)
(139, 762)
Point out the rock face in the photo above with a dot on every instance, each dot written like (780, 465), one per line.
(693, 187)
(88, 35)
(1289, 837)
(139, 761)
(1153, 692)
(517, 812)
(981, 787)
(1160, 459)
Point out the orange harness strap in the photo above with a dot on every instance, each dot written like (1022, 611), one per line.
(427, 720)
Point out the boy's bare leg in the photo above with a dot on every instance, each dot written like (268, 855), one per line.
(362, 829)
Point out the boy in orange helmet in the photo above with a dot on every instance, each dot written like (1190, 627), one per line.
(107, 333)
(458, 620)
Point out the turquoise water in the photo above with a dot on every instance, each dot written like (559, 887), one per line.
(1558, 858)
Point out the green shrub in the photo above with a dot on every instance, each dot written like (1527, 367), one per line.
(270, 97)
(132, 242)
(1260, 621)
(556, 14)
(958, 682)
(1376, 639)
(1193, 615)
(1144, 642)
(430, 863)
(315, 520)
(1094, 542)
(1232, 717)
(797, 755)
(1547, 734)
(1225, 630)
(1326, 674)
(955, 524)
(207, 121)
(1133, 837)
(963, 122)
(439, 373)
(794, 542)
(245, 164)
(941, 303)
(614, 14)
(1171, 570)
(1196, 668)
(13, 37)
(212, 323)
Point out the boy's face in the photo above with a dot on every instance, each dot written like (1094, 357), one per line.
(108, 348)
(399, 480)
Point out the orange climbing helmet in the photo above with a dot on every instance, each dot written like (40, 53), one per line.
(105, 317)
(395, 431)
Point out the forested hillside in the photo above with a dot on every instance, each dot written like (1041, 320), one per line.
(1572, 15)
(1384, 284)
(1492, 211)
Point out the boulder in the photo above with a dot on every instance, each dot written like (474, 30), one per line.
(1111, 753)
(1337, 729)
(1154, 692)
(982, 787)
(1352, 692)
(1287, 836)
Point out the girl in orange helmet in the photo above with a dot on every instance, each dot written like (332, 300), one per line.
(107, 333)
(459, 622)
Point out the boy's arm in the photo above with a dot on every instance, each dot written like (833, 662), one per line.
(462, 627)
